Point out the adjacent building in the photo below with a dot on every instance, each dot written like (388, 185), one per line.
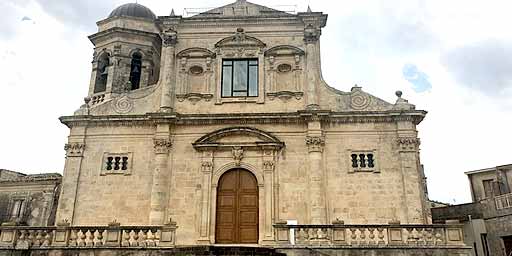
(488, 219)
(28, 199)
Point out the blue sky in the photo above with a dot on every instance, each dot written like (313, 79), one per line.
(451, 58)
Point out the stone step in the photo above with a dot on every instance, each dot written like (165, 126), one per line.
(223, 251)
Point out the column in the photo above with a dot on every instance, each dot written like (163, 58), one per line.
(167, 71)
(161, 176)
(315, 142)
(311, 39)
(206, 171)
(70, 181)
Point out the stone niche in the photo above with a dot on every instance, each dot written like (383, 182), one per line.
(284, 66)
(195, 74)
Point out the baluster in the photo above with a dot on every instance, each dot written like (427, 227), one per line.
(72, 238)
(381, 236)
(439, 236)
(353, 236)
(429, 236)
(46, 239)
(134, 238)
(97, 238)
(421, 236)
(362, 236)
(125, 242)
(81, 238)
(371, 236)
(31, 237)
(38, 238)
(150, 241)
(22, 239)
(142, 238)
(89, 238)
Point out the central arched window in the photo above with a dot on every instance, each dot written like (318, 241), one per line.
(102, 73)
(136, 70)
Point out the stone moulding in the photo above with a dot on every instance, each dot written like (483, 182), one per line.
(285, 95)
(212, 140)
(194, 97)
(415, 116)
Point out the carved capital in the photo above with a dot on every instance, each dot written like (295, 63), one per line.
(206, 166)
(238, 154)
(315, 143)
(162, 146)
(74, 149)
(311, 34)
(408, 143)
(170, 38)
(268, 165)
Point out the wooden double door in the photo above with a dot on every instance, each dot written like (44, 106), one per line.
(237, 208)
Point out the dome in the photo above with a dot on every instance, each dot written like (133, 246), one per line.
(133, 10)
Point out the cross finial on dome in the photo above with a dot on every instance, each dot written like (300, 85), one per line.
(309, 9)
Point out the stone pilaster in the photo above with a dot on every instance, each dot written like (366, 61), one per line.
(269, 163)
(311, 39)
(413, 191)
(160, 188)
(68, 196)
(167, 71)
(206, 171)
(315, 142)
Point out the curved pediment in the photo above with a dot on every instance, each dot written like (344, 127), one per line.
(284, 50)
(196, 52)
(238, 136)
(240, 39)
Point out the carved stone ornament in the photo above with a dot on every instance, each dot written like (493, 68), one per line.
(162, 146)
(285, 95)
(123, 105)
(358, 99)
(207, 166)
(311, 34)
(315, 143)
(238, 154)
(74, 149)
(408, 143)
(170, 38)
(194, 97)
(268, 165)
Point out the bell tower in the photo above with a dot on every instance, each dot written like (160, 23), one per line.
(127, 52)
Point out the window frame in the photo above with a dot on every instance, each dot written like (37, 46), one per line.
(248, 88)
(375, 158)
(120, 171)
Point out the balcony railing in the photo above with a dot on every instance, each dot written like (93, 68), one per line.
(17, 237)
(436, 235)
(503, 201)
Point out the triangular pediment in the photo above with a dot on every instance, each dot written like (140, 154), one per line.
(237, 136)
(242, 8)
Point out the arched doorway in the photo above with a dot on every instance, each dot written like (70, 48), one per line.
(237, 208)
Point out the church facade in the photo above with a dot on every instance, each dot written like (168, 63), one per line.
(220, 123)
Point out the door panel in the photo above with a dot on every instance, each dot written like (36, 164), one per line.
(237, 208)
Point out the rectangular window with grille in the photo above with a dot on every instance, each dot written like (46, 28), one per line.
(362, 161)
(239, 78)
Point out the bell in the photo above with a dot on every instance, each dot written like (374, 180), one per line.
(135, 69)
(105, 72)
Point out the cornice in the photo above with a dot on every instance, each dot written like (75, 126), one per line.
(129, 31)
(151, 119)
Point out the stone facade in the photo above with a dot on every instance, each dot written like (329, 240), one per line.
(156, 132)
(28, 199)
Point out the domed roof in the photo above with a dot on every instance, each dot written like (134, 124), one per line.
(133, 10)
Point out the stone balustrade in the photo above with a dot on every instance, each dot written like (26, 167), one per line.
(18, 237)
(436, 235)
(503, 201)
